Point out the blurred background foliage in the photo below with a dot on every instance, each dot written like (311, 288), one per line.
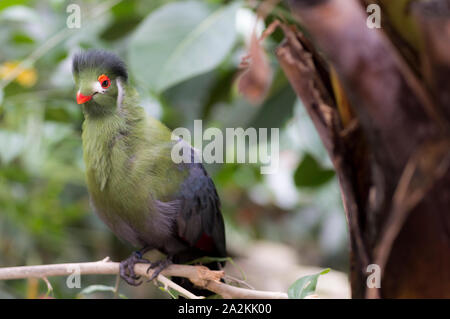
(184, 58)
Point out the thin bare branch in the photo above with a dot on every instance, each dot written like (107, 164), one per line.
(199, 275)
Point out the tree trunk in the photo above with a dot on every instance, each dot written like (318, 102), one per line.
(380, 100)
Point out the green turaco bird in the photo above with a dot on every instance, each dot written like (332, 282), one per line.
(135, 187)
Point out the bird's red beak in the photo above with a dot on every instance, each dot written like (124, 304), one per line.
(83, 98)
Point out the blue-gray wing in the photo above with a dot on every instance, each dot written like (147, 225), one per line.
(199, 221)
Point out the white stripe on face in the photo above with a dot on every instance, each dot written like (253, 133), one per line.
(119, 93)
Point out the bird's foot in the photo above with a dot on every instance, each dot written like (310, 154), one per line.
(159, 266)
(127, 268)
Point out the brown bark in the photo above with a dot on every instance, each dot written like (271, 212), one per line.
(392, 157)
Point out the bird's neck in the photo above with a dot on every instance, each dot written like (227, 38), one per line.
(101, 134)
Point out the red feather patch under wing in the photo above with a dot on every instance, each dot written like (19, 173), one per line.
(205, 243)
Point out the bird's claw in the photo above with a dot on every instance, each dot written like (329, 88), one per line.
(127, 268)
(158, 266)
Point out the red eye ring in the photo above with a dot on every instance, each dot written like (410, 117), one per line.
(105, 82)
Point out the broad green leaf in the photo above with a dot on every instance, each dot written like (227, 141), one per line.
(305, 286)
(179, 41)
(310, 174)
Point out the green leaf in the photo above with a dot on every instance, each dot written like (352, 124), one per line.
(102, 288)
(276, 110)
(172, 292)
(9, 3)
(305, 286)
(22, 38)
(179, 41)
(20, 13)
(310, 174)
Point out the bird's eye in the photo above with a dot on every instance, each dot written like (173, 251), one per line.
(105, 82)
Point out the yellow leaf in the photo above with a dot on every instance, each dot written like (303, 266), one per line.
(344, 108)
(399, 12)
(27, 77)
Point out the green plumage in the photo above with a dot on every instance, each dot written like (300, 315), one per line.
(135, 187)
(127, 157)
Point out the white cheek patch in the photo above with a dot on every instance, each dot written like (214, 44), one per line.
(97, 87)
(119, 93)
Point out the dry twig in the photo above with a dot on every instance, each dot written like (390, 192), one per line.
(199, 275)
